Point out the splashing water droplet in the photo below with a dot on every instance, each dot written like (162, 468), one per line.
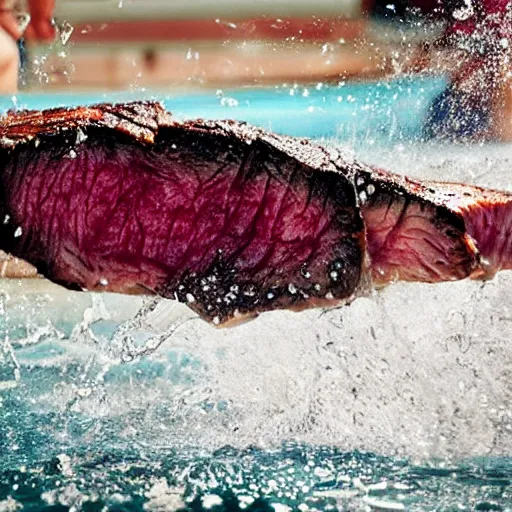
(64, 30)
(229, 102)
(328, 51)
(464, 12)
(80, 136)
(225, 23)
(9, 366)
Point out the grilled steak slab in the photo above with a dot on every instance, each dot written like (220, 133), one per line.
(228, 218)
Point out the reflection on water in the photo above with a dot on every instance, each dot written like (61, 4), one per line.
(373, 113)
(293, 477)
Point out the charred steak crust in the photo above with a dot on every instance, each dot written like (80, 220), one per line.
(225, 217)
(140, 120)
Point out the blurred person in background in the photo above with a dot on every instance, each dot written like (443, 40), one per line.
(40, 29)
(474, 52)
(478, 102)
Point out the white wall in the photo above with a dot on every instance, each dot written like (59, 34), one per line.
(106, 10)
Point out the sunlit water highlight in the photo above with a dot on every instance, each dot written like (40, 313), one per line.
(399, 402)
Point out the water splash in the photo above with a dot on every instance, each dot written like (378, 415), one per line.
(228, 24)
(465, 12)
(54, 64)
(415, 371)
(64, 31)
(294, 477)
(9, 366)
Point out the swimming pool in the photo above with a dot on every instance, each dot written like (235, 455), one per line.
(399, 402)
(381, 110)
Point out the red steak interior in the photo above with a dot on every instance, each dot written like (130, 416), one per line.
(411, 234)
(227, 225)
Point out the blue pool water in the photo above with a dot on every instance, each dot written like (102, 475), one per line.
(357, 111)
(244, 420)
